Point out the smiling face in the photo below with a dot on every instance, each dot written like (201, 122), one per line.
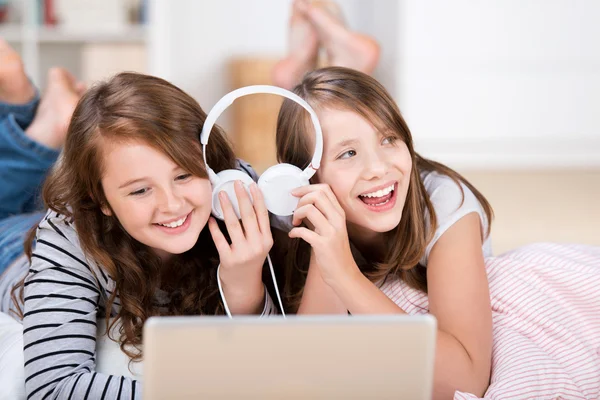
(155, 200)
(368, 170)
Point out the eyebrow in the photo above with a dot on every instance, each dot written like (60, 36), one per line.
(131, 182)
(388, 132)
(136, 180)
(343, 143)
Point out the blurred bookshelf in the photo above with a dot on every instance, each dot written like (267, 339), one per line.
(55, 34)
(91, 38)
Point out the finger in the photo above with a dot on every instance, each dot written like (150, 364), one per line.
(315, 217)
(319, 187)
(246, 210)
(218, 238)
(334, 200)
(234, 228)
(260, 208)
(322, 202)
(302, 190)
(305, 234)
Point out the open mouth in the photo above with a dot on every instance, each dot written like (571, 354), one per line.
(380, 197)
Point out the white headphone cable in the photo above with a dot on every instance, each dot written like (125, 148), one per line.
(274, 283)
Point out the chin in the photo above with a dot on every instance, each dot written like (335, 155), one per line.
(385, 227)
(178, 249)
(378, 225)
(178, 245)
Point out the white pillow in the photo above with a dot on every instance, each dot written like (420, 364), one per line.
(109, 358)
(12, 377)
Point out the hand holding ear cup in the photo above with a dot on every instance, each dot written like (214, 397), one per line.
(224, 183)
(277, 182)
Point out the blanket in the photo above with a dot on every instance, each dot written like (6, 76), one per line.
(546, 322)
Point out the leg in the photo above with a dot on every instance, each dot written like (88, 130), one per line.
(17, 94)
(302, 53)
(52, 118)
(344, 47)
(12, 236)
(319, 23)
(29, 148)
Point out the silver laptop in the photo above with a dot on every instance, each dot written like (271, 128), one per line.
(358, 357)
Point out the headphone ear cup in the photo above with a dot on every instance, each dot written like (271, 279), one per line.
(276, 183)
(225, 183)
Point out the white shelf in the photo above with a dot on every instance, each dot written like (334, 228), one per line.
(50, 34)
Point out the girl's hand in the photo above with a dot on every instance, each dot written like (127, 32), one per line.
(242, 260)
(329, 238)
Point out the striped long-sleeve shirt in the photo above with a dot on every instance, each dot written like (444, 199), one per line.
(64, 295)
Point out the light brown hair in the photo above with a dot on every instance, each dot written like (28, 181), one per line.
(136, 107)
(347, 89)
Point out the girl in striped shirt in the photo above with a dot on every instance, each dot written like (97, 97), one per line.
(380, 225)
(127, 234)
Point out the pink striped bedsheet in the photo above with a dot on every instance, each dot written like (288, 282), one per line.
(546, 318)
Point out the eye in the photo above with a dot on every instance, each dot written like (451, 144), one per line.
(139, 192)
(347, 154)
(183, 177)
(389, 140)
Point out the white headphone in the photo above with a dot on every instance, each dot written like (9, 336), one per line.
(275, 183)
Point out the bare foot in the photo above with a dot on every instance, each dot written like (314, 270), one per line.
(302, 51)
(344, 48)
(49, 127)
(15, 87)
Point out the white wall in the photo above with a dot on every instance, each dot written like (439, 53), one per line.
(502, 83)
(201, 37)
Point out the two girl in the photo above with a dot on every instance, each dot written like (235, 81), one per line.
(126, 233)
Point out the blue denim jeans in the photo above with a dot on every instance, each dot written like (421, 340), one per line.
(24, 165)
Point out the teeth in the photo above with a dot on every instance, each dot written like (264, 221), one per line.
(379, 193)
(176, 223)
(380, 204)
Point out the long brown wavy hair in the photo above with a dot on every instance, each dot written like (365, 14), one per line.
(347, 89)
(137, 107)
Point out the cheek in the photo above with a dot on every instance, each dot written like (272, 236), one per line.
(407, 165)
(341, 181)
(403, 159)
(132, 214)
(342, 190)
(200, 192)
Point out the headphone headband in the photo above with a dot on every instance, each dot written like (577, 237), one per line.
(229, 98)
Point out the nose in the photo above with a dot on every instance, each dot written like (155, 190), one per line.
(375, 165)
(170, 200)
